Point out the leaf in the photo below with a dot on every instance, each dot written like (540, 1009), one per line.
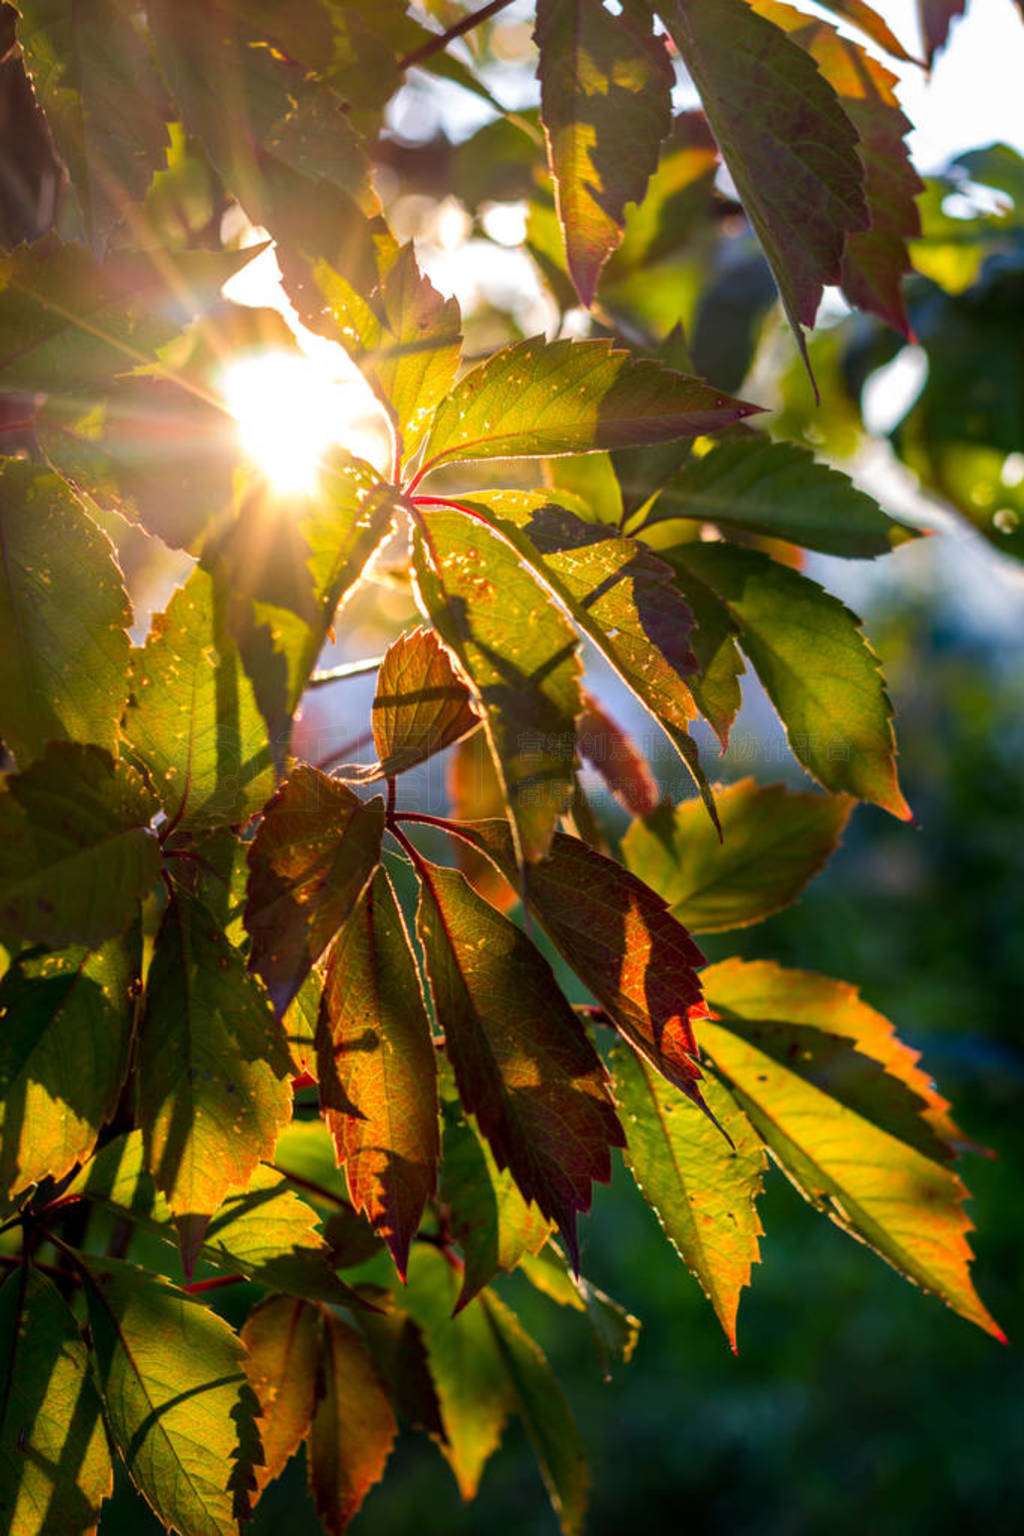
(63, 1057)
(876, 259)
(523, 1065)
(779, 490)
(619, 938)
(55, 1469)
(487, 1216)
(421, 706)
(622, 597)
(212, 1069)
(252, 105)
(935, 18)
(716, 688)
(537, 398)
(900, 1202)
(174, 1394)
(773, 843)
(472, 1385)
(353, 1426)
(816, 666)
(400, 1357)
(377, 1069)
(282, 1338)
(520, 657)
(702, 1188)
(193, 721)
(76, 851)
(615, 1331)
(606, 86)
(64, 615)
(546, 1415)
(605, 745)
(314, 854)
(789, 146)
(825, 1031)
(94, 78)
(475, 793)
(264, 1230)
(871, 24)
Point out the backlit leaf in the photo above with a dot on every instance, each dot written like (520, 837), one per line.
(377, 1069)
(63, 619)
(615, 1331)
(174, 1392)
(524, 1067)
(875, 260)
(622, 942)
(790, 148)
(871, 24)
(622, 597)
(421, 706)
(936, 17)
(606, 86)
(520, 657)
(900, 1202)
(606, 747)
(475, 794)
(55, 1467)
(703, 1190)
(193, 719)
(282, 1337)
(773, 843)
(212, 1069)
(353, 1425)
(539, 398)
(778, 489)
(487, 1216)
(315, 852)
(816, 666)
(63, 1056)
(95, 80)
(76, 851)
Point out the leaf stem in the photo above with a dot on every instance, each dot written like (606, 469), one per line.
(437, 44)
(217, 1283)
(346, 669)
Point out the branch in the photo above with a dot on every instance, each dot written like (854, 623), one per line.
(437, 44)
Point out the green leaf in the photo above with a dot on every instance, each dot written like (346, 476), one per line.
(622, 942)
(55, 1469)
(546, 1415)
(622, 597)
(876, 259)
(773, 843)
(63, 1057)
(816, 666)
(523, 1065)
(422, 705)
(882, 1190)
(64, 615)
(76, 851)
(779, 490)
(606, 85)
(193, 720)
(104, 104)
(520, 657)
(264, 1230)
(314, 854)
(716, 688)
(353, 1426)
(537, 398)
(69, 325)
(789, 146)
(212, 1069)
(471, 1381)
(377, 1069)
(174, 1392)
(823, 1030)
(615, 1331)
(282, 1339)
(488, 1217)
(702, 1189)
(251, 104)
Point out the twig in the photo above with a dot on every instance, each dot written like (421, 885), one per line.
(440, 42)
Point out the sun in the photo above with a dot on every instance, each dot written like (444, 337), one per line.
(291, 409)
